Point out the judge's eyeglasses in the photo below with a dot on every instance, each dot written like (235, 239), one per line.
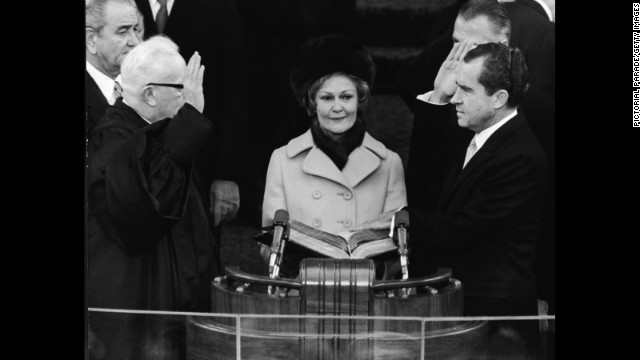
(177, 86)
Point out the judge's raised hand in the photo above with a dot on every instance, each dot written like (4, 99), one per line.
(193, 75)
(444, 86)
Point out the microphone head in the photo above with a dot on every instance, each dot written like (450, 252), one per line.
(281, 216)
(402, 218)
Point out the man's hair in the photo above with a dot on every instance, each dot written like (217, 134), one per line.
(504, 67)
(494, 11)
(362, 89)
(146, 60)
(96, 12)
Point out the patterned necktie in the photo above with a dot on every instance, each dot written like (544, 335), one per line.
(162, 16)
(117, 91)
(471, 150)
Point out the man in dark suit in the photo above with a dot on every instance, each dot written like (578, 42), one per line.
(213, 29)
(523, 24)
(113, 28)
(486, 220)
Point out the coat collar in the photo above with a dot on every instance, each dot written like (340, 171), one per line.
(486, 152)
(363, 160)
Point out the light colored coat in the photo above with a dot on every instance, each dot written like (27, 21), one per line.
(304, 181)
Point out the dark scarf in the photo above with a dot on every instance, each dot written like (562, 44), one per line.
(338, 150)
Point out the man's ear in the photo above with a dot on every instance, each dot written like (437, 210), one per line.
(90, 39)
(500, 98)
(148, 96)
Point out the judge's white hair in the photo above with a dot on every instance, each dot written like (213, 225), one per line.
(148, 62)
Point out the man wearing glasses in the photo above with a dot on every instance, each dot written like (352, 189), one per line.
(150, 245)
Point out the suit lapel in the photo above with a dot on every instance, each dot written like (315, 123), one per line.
(180, 16)
(150, 28)
(319, 164)
(362, 162)
(484, 155)
(452, 176)
(93, 90)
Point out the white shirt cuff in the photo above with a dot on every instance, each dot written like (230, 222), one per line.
(426, 98)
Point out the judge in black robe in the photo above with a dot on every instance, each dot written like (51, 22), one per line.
(150, 245)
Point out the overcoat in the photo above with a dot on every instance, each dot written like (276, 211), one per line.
(304, 181)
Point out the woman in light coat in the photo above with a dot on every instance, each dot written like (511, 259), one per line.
(335, 176)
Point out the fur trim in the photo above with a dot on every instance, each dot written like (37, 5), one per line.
(328, 54)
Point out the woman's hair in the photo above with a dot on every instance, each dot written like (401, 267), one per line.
(362, 89)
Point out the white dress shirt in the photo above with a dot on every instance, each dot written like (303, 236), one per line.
(426, 98)
(105, 83)
(484, 135)
(155, 7)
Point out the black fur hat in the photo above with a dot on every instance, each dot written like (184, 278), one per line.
(329, 54)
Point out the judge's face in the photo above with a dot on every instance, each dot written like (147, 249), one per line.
(337, 104)
(474, 108)
(169, 99)
(119, 36)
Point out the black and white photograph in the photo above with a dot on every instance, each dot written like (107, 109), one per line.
(320, 179)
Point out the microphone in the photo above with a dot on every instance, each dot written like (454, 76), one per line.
(401, 219)
(280, 235)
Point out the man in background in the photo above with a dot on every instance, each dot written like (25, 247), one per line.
(113, 28)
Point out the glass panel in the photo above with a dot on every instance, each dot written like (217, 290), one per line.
(122, 334)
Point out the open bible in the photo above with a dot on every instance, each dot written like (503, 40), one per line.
(345, 245)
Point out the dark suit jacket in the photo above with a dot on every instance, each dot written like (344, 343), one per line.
(487, 217)
(95, 102)
(534, 34)
(213, 28)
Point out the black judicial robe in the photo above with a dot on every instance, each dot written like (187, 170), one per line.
(150, 245)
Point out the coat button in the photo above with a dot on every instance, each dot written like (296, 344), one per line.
(316, 222)
(316, 194)
(347, 195)
(346, 223)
